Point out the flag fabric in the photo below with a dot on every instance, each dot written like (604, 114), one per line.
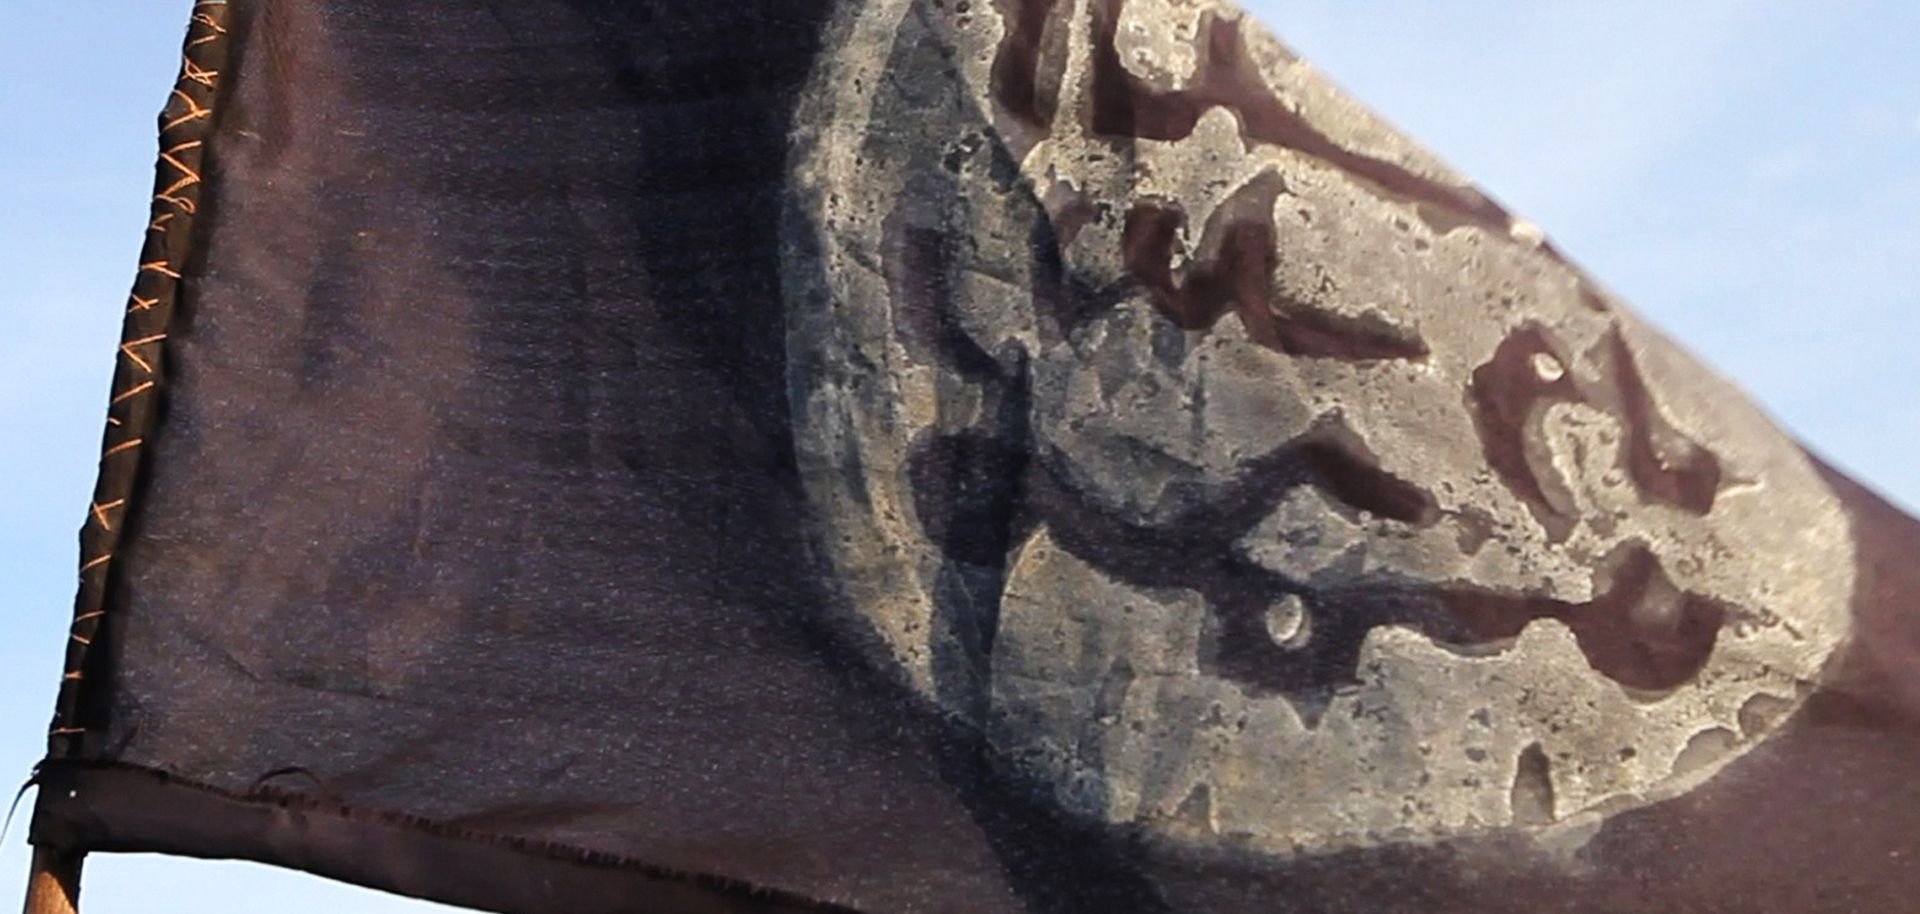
(935, 455)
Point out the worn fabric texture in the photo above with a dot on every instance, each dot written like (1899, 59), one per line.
(929, 455)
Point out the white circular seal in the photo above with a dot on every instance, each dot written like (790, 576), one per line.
(1241, 470)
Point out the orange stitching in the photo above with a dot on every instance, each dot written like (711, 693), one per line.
(131, 391)
(188, 178)
(100, 511)
(197, 73)
(194, 111)
(184, 106)
(186, 205)
(128, 346)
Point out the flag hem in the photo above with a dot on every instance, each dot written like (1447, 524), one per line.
(118, 808)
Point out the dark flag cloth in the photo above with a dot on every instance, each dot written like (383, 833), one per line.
(935, 455)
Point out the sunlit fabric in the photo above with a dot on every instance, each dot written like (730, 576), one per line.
(936, 455)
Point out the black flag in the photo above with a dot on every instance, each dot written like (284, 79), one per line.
(935, 455)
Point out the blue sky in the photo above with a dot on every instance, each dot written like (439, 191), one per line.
(1748, 173)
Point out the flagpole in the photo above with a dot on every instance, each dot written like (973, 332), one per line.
(53, 887)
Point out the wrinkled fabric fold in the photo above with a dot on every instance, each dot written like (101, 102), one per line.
(515, 518)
